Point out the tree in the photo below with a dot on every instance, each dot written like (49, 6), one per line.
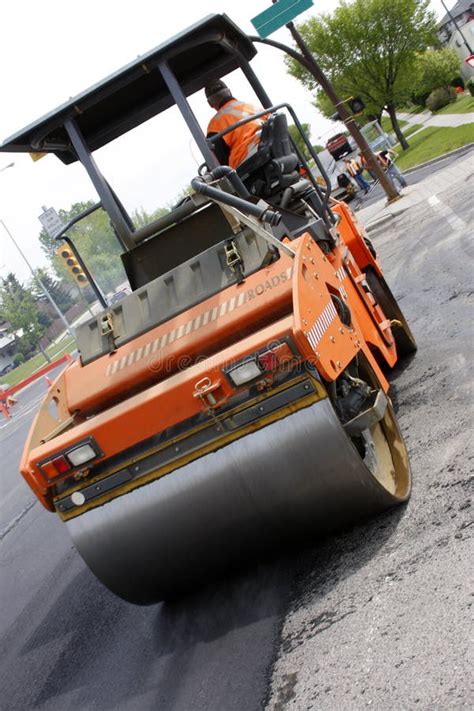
(55, 287)
(96, 242)
(324, 104)
(369, 49)
(436, 69)
(298, 140)
(17, 305)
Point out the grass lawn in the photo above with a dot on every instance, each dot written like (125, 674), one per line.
(461, 106)
(25, 369)
(387, 124)
(433, 142)
(411, 129)
(413, 110)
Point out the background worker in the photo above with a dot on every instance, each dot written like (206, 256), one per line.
(355, 170)
(243, 141)
(365, 166)
(346, 183)
(385, 159)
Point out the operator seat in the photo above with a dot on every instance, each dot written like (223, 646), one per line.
(274, 167)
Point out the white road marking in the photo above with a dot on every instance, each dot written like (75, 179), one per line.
(18, 412)
(449, 215)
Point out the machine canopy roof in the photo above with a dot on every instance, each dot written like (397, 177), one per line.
(207, 50)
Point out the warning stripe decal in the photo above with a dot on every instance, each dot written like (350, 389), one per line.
(184, 329)
(322, 324)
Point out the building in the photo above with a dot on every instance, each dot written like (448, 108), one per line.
(462, 15)
(7, 349)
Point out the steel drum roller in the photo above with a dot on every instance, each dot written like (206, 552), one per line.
(301, 474)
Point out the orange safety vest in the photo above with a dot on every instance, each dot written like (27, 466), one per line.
(242, 141)
(353, 168)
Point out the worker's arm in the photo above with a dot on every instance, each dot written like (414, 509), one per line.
(221, 149)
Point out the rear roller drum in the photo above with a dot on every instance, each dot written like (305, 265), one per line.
(404, 338)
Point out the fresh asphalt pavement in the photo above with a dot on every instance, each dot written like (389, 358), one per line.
(373, 617)
(15, 496)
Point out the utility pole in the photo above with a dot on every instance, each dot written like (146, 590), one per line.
(308, 61)
(38, 281)
(35, 276)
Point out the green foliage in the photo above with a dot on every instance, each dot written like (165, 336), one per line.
(17, 305)
(317, 148)
(470, 86)
(436, 68)
(57, 288)
(18, 359)
(140, 217)
(441, 97)
(184, 193)
(458, 81)
(44, 317)
(368, 48)
(298, 140)
(324, 104)
(97, 244)
(419, 99)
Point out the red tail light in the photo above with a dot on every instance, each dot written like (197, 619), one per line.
(268, 361)
(61, 465)
(259, 365)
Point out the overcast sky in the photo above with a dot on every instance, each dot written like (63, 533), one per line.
(51, 51)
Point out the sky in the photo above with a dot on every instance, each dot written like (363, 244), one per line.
(51, 51)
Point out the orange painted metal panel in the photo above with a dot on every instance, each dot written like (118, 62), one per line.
(174, 345)
(353, 235)
(155, 409)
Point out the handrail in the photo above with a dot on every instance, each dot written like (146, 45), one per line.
(324, 195)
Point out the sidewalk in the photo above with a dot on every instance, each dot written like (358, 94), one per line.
(425, 119)
(378, 213)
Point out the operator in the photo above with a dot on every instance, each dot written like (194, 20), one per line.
(239, 144)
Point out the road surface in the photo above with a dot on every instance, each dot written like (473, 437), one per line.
(376, 617)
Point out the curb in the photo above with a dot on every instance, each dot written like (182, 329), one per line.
(386, 218)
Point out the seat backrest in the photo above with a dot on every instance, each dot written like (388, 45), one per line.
(274, 163)
(280, 141)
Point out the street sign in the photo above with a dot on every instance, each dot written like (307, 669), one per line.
(51, 221)
(278, 15)
(470, 60)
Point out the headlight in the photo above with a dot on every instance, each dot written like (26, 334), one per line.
(245, 373)
(81, 455)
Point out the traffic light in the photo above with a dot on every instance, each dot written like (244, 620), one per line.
(69, 260)
(356, 105)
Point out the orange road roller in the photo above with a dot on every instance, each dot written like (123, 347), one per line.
(236, 399)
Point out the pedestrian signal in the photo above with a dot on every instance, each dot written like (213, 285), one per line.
(69, 260)
(356, 105)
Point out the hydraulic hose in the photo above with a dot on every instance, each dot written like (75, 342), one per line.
(232, 176)
(261, 211)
